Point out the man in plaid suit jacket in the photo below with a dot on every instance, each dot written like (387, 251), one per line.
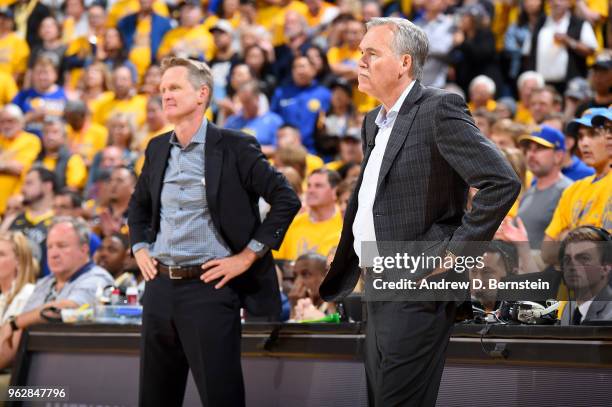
(422, 153)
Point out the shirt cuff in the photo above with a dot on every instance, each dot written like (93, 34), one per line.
(139, 246)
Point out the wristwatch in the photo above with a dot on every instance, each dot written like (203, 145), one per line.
(13, 323)
(259, 248)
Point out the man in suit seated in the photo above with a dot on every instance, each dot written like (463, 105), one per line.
(586, 262)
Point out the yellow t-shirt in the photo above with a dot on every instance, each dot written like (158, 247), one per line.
(305, 236)
(24, 148)
(135, 106)
(8, 88)
(89, 141)
(76, 171)
(601, 8)
(272, 18)
(345, 55)
(315, 21)
(14, 53)
(140, 54)
(193, 41)
(523, 115)
(586, 202)
(123, 8)
(491, 105)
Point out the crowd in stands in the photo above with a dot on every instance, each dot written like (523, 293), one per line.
(79, 101)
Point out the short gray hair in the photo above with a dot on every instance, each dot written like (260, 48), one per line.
(198, 73)
(407, 39)
(78, 225)
(14, 111)
(527, 75)
(485, 80)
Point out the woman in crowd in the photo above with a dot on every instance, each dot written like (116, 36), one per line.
(18, 271)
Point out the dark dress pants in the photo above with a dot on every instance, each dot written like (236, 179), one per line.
(406, 345)
(188, 324)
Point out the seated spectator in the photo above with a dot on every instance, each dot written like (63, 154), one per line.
(337, 120)
(95, 85)
(190, 39)
(586, 201)
(544, 150)
(318, 58)
(250, 119)
(50, 32)
(73, 282)
(18, 272)
(301, 102)
(103, 164)
(318, 229)
(586, 265)
(13, 46)
(69, 203)
(351, 150)
(143, 32)
(38, 190)
(543, 102)
(18, 151)
(602, 122)
(124, 100)
(224, 58)
(484, 121)
(306, 304)
(576, 93)
(45, 97)
(505, 133)
(500, 261)
(527, 82)
(573, 167)
(258, 61)
(151, 81)
(505, 108)
(289, 135)
(343, 193)
(114, 256)
(84, 137)
(482, 94)
(69, 168)
(113, 218)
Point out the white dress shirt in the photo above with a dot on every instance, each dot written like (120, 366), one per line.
(363, 226)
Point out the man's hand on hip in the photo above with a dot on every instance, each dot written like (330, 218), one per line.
(228, 267)
(146, 264)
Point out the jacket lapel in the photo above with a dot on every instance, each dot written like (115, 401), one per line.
(400, 131)
(161, 163)
(213, 161)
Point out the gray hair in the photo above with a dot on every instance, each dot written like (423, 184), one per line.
(14, 111)
(407, 39)
(485, 80)
(198, 73)
(79, 226)
(527, 75)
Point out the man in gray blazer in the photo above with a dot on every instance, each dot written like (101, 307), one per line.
(422, 153)
(586, 262)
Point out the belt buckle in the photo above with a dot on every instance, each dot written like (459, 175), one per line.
(171, 273)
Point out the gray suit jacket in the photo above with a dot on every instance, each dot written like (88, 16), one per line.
(600, 309)
(435, 152)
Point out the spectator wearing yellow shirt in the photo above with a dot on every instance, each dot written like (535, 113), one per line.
(143, 33)
(124, 99)
(75, 23)
(8, 89)
(318, 229)
(95, 85)
(350, 149)
(482, 94)
(14, 50)
(288, 135)
(123, 8)
(84, 137)
(320, 14)
(18, 150)
(526, 83)
(344, 60)
(69, 168)
(191, 39)
(589, 200)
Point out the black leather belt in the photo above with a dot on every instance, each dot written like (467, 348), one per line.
(180, 272)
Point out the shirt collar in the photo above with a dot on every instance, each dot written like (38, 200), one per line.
(584, 308)
(198, 138)
(384, 119)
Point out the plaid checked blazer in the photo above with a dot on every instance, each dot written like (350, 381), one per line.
(434, 154)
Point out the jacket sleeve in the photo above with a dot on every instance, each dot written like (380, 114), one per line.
(260, 178)
(140, 207)
(481, 165)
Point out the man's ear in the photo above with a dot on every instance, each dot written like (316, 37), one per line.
(204, 95)
(406, 64)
